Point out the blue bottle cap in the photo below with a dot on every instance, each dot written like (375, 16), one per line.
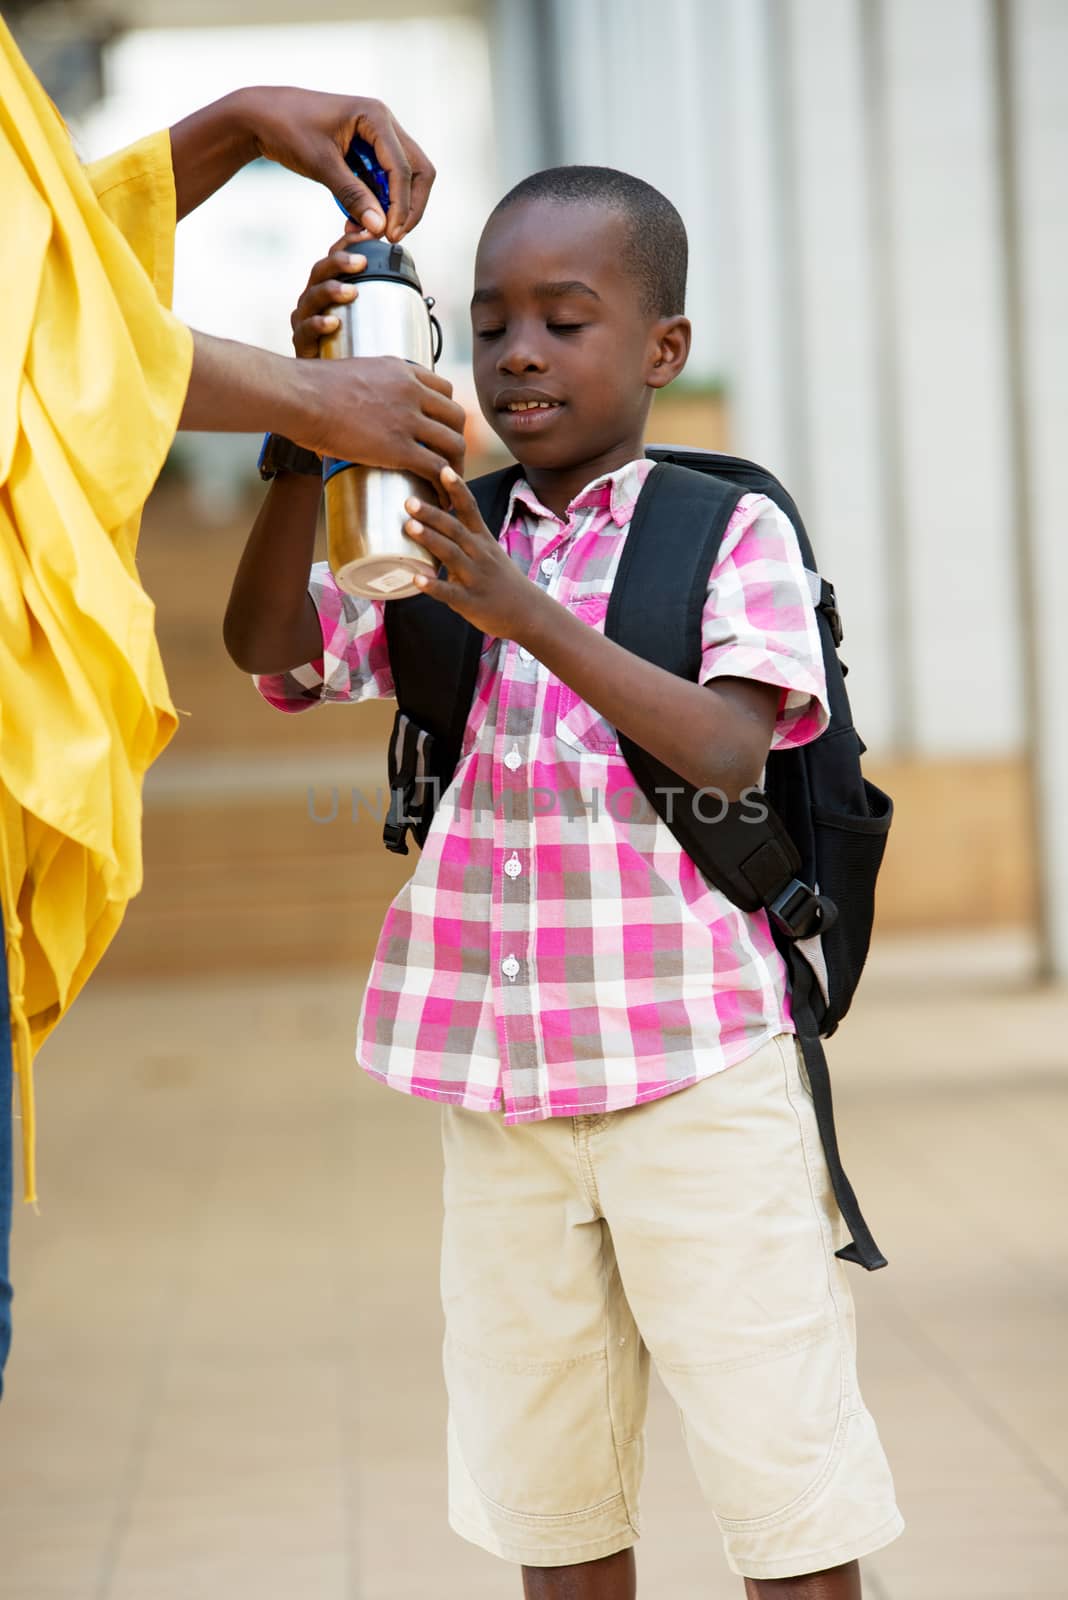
(361, 159)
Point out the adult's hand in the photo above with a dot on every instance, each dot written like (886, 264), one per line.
(381, 411)
(309, 133)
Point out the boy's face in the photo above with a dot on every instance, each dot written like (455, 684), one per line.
(559, 321)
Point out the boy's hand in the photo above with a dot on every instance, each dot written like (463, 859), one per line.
(483, 583)
(312, 319)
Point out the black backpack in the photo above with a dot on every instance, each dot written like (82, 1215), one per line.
(811, 863)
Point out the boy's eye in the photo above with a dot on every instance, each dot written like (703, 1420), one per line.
(565, 327)
(489, 333)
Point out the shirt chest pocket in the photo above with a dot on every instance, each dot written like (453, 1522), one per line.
(578, 725)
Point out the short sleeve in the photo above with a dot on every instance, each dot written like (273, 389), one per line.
(759, 620)
(355, 661)
(135, 187)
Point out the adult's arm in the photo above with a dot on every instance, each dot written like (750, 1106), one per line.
(309, 133)
(381, 410)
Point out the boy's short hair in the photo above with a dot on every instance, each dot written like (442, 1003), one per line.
(658, 244)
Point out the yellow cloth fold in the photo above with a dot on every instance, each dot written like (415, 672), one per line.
(93, 374)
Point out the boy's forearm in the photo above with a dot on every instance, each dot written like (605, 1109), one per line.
(715, 737)
(271, 624)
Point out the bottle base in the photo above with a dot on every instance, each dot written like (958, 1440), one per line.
(384, 577)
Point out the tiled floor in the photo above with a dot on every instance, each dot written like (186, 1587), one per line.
(225, 1379)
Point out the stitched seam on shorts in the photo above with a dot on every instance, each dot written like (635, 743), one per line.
(617, 1444)
(533, 1519)
(832, 1555)
(525, 1366)
(513, 1550)
(773, 1518)
(580, 1139)
(800, 1341)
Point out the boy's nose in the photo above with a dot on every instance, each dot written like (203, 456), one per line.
(521, 358)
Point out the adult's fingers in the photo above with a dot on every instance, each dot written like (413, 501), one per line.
(355, 198)
(375, 124)
(443, 440)
(423, 175)
(441, 409)
(423, 463)
(436, 398)
(430, 379)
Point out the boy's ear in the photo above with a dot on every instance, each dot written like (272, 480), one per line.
(669, 351)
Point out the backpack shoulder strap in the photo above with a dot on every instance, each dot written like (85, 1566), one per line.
(655, 611)
(433, 657)
(659, 592)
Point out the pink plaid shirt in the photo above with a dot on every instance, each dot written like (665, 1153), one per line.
(555, 951)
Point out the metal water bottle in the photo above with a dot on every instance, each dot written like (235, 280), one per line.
(369, 552)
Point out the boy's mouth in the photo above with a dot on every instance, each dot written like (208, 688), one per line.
(527, 408)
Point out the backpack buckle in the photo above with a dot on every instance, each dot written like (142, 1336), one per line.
(397, 823)
(799, 912)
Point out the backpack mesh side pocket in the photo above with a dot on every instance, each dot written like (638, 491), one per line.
(849, 851)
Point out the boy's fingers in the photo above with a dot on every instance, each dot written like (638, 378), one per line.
(463, 502)
(323, 298)
(439, 522)
(309, 331)
(436, 588)
(439, 545)
(337, 263)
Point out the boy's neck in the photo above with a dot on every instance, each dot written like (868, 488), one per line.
(557, 487)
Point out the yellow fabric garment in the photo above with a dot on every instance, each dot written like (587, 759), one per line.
(93, 374)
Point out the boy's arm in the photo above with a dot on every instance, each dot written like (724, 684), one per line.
(715, 734)
(274, 622)
(271, 623)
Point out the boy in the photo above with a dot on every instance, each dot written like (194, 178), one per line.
(655, 1186)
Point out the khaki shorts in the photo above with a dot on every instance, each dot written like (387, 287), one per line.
(698, 1230)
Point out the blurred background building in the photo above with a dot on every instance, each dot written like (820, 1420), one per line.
(879, 290)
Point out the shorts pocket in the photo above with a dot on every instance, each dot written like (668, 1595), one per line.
(578, 725)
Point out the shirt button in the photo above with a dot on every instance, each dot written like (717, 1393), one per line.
(525, 655)
(513, 866)
(510, 968)
(548, 566)
(513, 760)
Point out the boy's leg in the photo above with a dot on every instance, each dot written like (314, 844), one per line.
(609, 1579)
(837, 1583)
(546, 1374)
(724, 1228)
